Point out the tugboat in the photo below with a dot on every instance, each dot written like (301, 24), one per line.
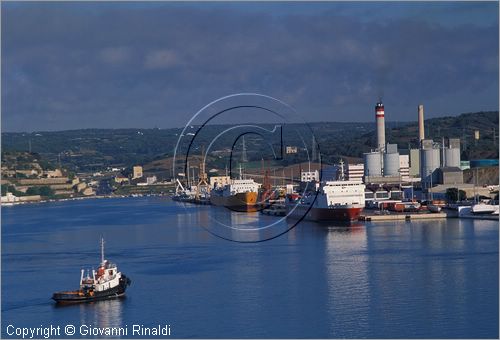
(105, 283)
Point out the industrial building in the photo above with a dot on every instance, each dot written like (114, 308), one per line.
(330, 173)
(450, 175)
(309, 176)
(355, 172)
(383, 165)
(219, 181)
(432, 163)
(404, 167)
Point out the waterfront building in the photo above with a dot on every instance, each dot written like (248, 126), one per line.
(330, 173)
(450, 175)
(120, 179)
(151, 180)
(309, 176)
(137, 172)
(219, 181)
(404, 167)
(355, 172)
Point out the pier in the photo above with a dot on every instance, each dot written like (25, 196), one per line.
(401, 217)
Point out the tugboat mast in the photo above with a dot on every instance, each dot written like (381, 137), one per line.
(102, 249)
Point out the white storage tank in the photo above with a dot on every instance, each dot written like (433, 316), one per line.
(391, 164)
(452, 157)
(373, 164)
(429, 161)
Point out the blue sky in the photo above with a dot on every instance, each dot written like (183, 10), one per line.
(123, 64)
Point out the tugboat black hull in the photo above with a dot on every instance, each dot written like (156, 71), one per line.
(79, 296)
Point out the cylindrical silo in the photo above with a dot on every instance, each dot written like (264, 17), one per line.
(391, 164)
(429, 161)
(452, 157)
(373, 164)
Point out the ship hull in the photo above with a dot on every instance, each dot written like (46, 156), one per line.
(245, 201)
(346, 213)
(79, 297)
(484, 209)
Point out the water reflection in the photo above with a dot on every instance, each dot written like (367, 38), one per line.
(106, 313)
(347, 279)
(430, 279)
(239, 226)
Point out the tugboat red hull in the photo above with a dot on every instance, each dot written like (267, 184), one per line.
(79, 296)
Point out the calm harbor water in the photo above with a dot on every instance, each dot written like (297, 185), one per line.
(435, 279)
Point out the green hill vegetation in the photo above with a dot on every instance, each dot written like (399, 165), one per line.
(95, 149)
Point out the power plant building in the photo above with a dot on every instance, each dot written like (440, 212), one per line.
(373, 164)
(452, 153)
(391, 161)
(429, 162)
(434, 163)
(355, 172)
(414, 162)
(404, 167)
(450, 175)
(413, 158)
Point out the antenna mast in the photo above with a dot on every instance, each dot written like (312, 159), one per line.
(102, 249)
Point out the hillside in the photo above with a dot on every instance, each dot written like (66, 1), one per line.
(462, 127)
(95, 149)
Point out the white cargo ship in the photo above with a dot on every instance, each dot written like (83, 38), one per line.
(335, 201)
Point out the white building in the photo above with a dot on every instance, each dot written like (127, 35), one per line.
(404, 167)
(151, 180)
(309, 176)
(219, 181)
(355, 172)
(10, 198)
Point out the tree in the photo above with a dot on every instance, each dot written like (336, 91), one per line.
(454, 195)
(42, 191)
(46, 191)
(12, 189)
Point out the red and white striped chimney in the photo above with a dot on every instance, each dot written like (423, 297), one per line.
(380, 120)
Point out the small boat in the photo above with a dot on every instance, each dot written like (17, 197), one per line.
(434, 208)
(485, 209)
(274, 210)
(105, 283)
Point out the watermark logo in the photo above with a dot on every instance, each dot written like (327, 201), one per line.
(245, 154)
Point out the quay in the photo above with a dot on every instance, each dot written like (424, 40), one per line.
(401, 217)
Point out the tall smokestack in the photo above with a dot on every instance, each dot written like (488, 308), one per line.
(380, 120)
(421, 133)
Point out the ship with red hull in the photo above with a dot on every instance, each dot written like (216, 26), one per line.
(345, 213)
(333, 201)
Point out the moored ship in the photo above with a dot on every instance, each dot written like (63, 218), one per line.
(483, 208)
(334, 201)
(105, 283)
(239, 195)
